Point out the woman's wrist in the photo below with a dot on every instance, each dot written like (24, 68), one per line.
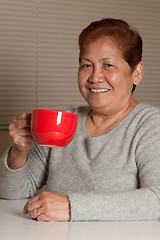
(17, 157)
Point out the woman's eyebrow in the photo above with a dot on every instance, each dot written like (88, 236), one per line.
(101, 60)
(86, 59)
(106, 58)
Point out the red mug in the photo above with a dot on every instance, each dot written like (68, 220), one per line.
(53, 128)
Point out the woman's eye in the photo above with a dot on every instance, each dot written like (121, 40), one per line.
(108, 65)
(86, 66)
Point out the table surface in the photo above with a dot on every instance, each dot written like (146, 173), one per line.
(15, 225)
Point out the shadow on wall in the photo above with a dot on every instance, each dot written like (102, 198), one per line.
(5, 140)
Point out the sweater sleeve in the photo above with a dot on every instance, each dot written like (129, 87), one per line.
(24, 182)
(142, 203)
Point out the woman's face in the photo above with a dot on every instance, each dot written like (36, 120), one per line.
(105, 79)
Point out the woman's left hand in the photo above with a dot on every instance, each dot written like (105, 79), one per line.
(49, 207)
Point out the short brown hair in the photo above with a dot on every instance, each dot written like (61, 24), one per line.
(128, 39)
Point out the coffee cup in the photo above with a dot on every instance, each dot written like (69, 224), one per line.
(53, 128)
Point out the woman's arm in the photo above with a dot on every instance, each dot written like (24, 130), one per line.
(26, 180)
(140, 204)
(21, 164)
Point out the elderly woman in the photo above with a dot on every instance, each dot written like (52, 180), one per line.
(111, 169)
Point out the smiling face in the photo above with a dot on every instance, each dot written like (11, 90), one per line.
(105, 79)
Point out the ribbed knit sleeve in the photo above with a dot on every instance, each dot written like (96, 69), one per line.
(24, 182)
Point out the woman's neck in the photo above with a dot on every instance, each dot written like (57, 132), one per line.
(100, 122)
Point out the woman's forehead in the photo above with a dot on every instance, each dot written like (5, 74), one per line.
(101, 47)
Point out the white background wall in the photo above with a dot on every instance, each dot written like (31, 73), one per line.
(39, 52)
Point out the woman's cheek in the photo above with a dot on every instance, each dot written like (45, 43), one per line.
(112, 80)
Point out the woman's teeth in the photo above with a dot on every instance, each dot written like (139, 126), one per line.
(98, 90)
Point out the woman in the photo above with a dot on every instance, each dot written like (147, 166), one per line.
(110, 171)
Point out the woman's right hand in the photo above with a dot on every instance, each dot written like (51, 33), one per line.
(20, 131)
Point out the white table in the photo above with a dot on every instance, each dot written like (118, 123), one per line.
(15, 225)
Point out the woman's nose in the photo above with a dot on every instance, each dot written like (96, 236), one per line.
(96, 76)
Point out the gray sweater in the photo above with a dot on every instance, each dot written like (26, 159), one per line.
(107, 178)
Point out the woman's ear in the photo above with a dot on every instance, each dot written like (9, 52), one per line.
(138, 73)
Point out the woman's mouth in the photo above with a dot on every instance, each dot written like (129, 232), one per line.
(102, 90)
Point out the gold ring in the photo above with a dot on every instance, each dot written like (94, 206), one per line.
(38, 213)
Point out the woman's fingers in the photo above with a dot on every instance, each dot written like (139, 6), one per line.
(20, 131)
(33, 203)
(21, 121)
(48, 207)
